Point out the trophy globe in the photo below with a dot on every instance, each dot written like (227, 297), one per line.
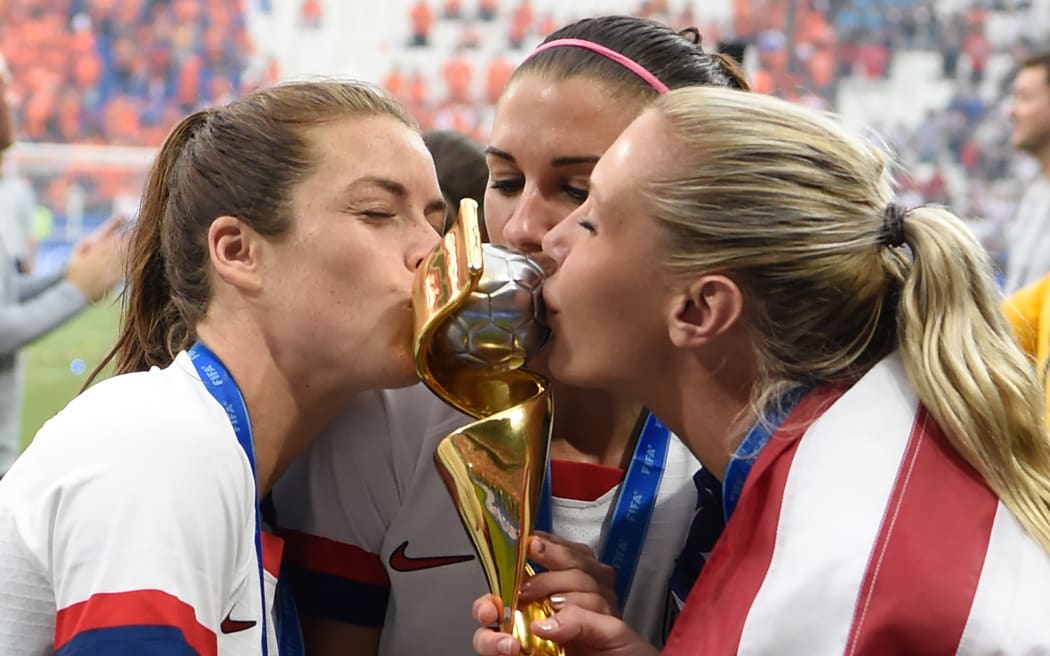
(500, 325)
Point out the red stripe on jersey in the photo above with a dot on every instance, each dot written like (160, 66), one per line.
(326, 556)
(939, 519)
(106, 610)
(273, 550)
(712, 620)
(583, 481)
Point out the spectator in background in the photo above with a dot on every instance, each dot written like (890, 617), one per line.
(458, 73)
(496, 77)
(461, 170)
(17, 209)
(1028, 241)
(311, 13)
(422, 20)
(488, 10)
(32, 306)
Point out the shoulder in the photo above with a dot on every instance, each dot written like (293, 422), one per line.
(162, 421)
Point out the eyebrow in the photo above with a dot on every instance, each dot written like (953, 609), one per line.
(396, 188)
(568, 160)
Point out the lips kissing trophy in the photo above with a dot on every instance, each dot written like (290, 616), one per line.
(478, 318)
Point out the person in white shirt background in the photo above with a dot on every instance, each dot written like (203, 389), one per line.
(1028, 237)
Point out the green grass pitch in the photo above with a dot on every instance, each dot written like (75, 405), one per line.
(50, 378)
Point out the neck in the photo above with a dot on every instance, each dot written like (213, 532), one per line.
(284, 414)
(706, 403)
(593, 426)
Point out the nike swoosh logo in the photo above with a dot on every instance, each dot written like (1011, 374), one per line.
(401, 562)
(235, 626)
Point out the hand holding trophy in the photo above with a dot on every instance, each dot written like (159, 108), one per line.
(478, 318)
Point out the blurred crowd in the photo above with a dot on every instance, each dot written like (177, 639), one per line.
(116, 72)
(803, 50)
(119, 71)
(122, 72)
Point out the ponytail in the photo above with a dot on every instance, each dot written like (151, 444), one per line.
(960, 354)
(151, 330)
(733, 70)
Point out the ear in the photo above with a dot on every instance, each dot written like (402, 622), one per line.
(235, 250)
(707, 308)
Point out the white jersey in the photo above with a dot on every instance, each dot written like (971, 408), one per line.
(133, 514)
(378, 542)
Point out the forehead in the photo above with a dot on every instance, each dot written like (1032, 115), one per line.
(368, 145)
(644, 151)
(553, 117)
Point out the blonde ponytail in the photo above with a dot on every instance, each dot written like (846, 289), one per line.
(793, 206)
(967, 368)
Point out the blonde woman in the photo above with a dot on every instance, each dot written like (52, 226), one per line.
(839, 361)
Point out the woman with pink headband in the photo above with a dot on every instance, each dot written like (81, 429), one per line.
(384, 563)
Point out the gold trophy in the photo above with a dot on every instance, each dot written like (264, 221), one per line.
(478, 317)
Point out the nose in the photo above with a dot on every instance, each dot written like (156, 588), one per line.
(424, 241)
(529, 223)
(557, 241)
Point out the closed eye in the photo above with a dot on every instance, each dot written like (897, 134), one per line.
(507, 185)
(577, 194)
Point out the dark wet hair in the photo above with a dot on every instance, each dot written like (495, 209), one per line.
(676, 58)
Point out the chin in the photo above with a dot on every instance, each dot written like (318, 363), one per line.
(403, 370)
(559, 367)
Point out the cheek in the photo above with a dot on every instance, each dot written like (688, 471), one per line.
(583, 287)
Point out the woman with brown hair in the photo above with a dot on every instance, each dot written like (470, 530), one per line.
(269, 281)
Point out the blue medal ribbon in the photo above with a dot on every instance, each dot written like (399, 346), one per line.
(747, 453)
(634, 506)
(223, 388)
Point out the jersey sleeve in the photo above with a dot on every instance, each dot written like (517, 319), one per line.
(1022, 309)
(136, 529)
(336, 504)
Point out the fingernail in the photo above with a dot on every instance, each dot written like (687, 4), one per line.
(526, 585)
(538, 546)
(558, 601)
(504, 645)
(548, 625)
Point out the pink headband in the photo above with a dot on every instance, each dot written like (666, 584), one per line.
(620, 59)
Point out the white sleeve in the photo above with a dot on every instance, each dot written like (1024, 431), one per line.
(336, 503)
(138, 525)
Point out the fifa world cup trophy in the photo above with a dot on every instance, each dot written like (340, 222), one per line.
(478, 318)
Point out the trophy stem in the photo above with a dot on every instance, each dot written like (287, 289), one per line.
(492, 467)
